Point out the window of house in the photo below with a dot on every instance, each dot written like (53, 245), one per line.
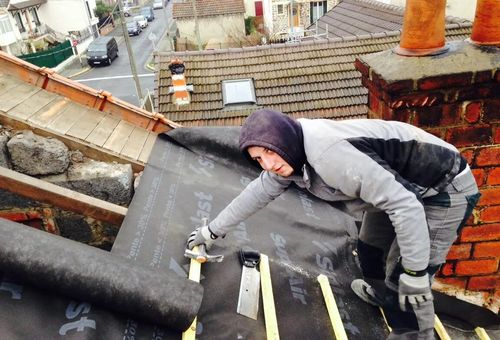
(34, 16)
(5, 26)
(238, 91)
(280, 9)
(317, 9)
(19, 22)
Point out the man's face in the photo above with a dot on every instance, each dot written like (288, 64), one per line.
(270, 161)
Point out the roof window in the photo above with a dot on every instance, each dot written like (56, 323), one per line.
(238, 92)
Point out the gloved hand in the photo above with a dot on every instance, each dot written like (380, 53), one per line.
(414, 289)
(201, 235)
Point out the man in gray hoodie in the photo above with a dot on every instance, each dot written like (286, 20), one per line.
(415, 191)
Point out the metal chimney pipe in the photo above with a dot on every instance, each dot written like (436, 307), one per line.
(423, 28)
(486, 26)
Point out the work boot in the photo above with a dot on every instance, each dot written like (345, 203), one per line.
(366, 293)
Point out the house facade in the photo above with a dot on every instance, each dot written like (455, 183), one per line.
(28, 26)
(282, 17)
(78, 20)
(215, 21)
(20, 24)
(8, 36)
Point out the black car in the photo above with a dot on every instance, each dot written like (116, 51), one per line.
(133, 28)
(102, 50)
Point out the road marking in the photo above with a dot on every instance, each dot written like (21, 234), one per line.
(112, 78)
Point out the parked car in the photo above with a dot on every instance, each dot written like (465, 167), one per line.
(148, 13)
(133, 28)
(157, 4)
(141, 19)
(102, 50)
(126, 10)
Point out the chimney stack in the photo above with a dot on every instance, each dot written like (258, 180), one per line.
(423, 28)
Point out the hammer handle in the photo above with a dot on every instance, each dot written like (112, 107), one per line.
(202, 254)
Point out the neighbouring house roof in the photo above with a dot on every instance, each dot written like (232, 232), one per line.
(358, 17)
(314, 79)
(24, 4)
(4, 3)
(207, 8)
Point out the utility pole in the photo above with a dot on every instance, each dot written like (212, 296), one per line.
(130, 53)
(196, 27)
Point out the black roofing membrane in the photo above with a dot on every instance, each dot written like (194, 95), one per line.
(193, 173)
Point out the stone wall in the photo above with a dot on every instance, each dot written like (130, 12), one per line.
(455, 96)
(50, 160)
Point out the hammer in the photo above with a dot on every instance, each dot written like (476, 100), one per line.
(200, 254)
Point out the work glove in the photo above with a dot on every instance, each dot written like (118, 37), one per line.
(415, 290)
(201, 235)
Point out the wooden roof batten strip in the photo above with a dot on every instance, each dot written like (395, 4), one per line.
(101, 100)
(67, 199)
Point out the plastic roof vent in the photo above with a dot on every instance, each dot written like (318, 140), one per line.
(238, 91)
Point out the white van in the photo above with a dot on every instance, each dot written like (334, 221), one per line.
(141, 19)
(157, 4)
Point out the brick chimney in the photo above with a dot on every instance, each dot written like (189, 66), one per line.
(456, 96)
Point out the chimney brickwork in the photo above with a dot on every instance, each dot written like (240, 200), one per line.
(455, 96)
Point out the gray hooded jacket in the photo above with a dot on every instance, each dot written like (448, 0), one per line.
(367, 164)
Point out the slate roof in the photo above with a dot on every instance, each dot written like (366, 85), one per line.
(207, 8)
(358, 17)
(315, 79)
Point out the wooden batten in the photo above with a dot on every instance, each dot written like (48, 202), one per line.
(63, 198)
(48, 80)
(87, 149)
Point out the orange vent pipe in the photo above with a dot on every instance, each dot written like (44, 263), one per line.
(486, 27)
(423, 28)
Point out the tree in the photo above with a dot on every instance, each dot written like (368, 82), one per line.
(102, 10)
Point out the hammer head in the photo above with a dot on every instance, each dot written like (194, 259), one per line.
(200, 255)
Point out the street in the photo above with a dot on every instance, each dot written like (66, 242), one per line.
(117, 77)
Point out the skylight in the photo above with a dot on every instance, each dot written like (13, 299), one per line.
(238, 91)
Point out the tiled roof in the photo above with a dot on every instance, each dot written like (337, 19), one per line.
(309, 79)
(358, 17)
(4, 3)
(207, 8)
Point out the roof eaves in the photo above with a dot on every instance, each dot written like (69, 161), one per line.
(24, 4)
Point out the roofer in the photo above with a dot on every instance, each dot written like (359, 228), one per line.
(416, 192)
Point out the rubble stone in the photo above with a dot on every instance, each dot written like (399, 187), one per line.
(4, 156)
(111, 182)
(36, 155)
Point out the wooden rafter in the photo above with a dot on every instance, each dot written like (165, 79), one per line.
(63, 198)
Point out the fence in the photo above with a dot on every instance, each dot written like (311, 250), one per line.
(51, 57)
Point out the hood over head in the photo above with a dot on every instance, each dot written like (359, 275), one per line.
(277, 132)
